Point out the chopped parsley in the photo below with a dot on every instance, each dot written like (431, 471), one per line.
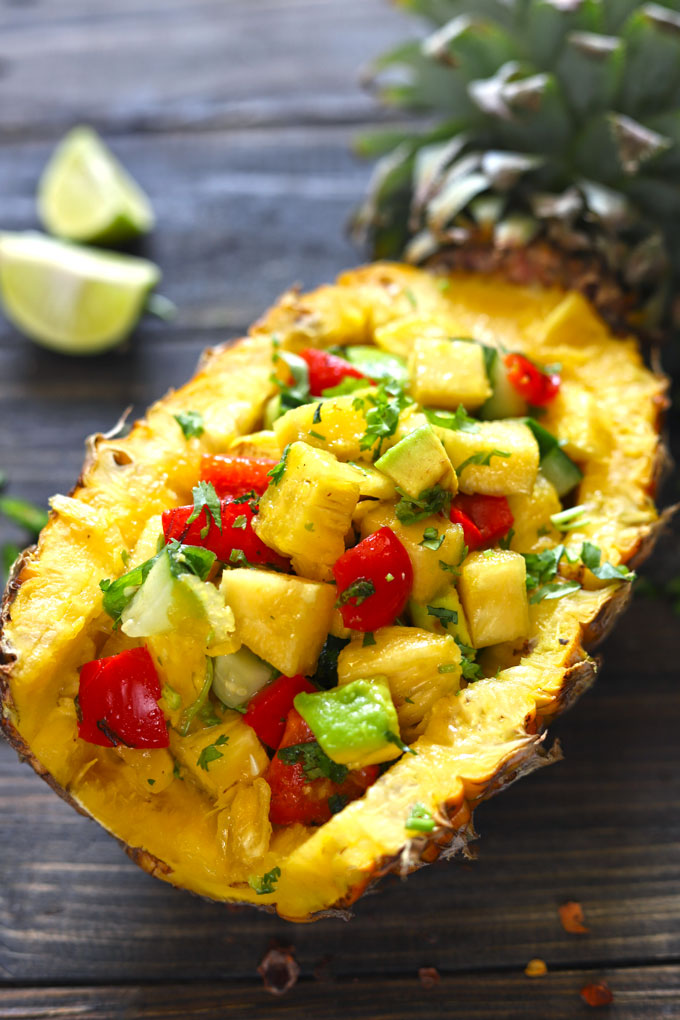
(420, 819)
(429, 502)
(266, 884)
(191, 423)
(212, 752)
(482, 458)
(445, 616)
(276, 473)
(392, 738)
(382, 416)
(458, 420)
(205, 498)
(431, 539)
(359, 590)
(315, 762)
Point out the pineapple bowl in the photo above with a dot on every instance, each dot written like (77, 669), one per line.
(289, 629)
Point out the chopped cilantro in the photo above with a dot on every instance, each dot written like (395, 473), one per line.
(504, 542)
(211, 752)
(369, 639)
(398, 742)
(205, 498)
(359, 590)
(296, 393)
(336, 802)
(309, 526)
(196, 706)
(276, 473)
(591, 556)
(389, 578)
(151, 782)
(191, 423)
(237, 558)
(429, 502)
(326, 675)
(240, 521)
(447, 667)
(208, 715)
(382, 417)
(482, 458)
(317, 414)
(445, 616)
(315, 762)
(469, 668)
(431, 539)
(458, 420)
(267, 883)
(420, 819)
(316, 435)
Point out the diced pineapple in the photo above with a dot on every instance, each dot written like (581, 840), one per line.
(256, 444)
(420, 668)
(429, 577)
(502, 475)
(399, 335)
(532, 511)
(455, 625)
(572, 323)
(219, 756)
(410, 419)
(492, 588)
(283, 619)
(339, 429)
(574, 418)
(330, 315)
(244, 826)
(446, 373)
(307, 513)
(151, 771)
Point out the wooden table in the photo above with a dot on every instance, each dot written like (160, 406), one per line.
(237, 116)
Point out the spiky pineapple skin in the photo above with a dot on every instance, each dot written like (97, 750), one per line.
(330, 867)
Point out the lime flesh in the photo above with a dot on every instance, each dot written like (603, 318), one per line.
(74, 300)
(86, 195)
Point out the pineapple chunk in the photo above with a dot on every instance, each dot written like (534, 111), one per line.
(282, 619)
(150, 771)
(341, 427)
(492, 589)
(241, 755)
(572, 323)
(429, 577)
(456, 626)
(573, 417)
(532, 511)
(244, 826)
(502, 475)
(308, 512)
(419, 666)
(399, 335)
(256, 444)
(446, 373)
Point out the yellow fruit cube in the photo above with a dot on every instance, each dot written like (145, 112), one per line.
(335, 425)
(399, 335)
(492, 588)
(532, 526)
(217, 757)
(446, 373)
(499, 458)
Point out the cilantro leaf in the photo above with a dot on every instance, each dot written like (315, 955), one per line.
(382, 417)
(445, 616)
(190, 559)
(267, 883)
(315, 762)
(205, 498)
(191, 423)
(554, 590)
(240, 521)
(359, 590)
(392, 738)
(431, 539)
(429, 502)
(483, 458)
(420, 819)
(591, 556)
(317, 413)
(469, 668)
(348, 385)
(211, 752)
(369, 639)
(276, 473)
(196, 706)
(457, 421)
(296, 393)
(326, 675)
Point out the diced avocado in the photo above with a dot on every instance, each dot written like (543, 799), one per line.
(448, 616)
(353, 724)
(237, 677)
(446, 373)
(377, 364)
(505, 401)
(417, 462)
(493, 593)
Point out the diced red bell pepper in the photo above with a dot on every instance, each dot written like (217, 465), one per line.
(234, 476)
(327, 370)
(484, 519)
(236, 534)
(118, 702)
(296, 797)
(531, 382)
(267, 711)
(374, 581)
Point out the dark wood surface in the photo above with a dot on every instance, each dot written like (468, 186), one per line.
(237, 117)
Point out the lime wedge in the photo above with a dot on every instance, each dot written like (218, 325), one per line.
(86, 195)
(74, 300)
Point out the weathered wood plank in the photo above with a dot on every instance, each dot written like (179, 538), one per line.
(602, 827)
(157, 65)
(639, 994)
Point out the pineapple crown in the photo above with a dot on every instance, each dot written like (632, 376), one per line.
(551, 120)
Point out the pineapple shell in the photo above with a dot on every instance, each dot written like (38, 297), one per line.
(473, 744)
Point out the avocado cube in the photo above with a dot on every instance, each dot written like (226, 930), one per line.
(417, 462)
(353, 724)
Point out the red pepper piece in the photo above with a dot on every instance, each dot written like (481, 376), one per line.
(536, 386)
(327, 370)
(118, 702)
(296, 797)
(237, 533)
(267, 711)
(485, 519)
(234, 476)
(374, 581)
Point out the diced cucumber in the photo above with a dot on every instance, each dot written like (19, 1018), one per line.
(556, 466)
(505, 401)
(147, 613)
(377, 364)
(239, 676)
